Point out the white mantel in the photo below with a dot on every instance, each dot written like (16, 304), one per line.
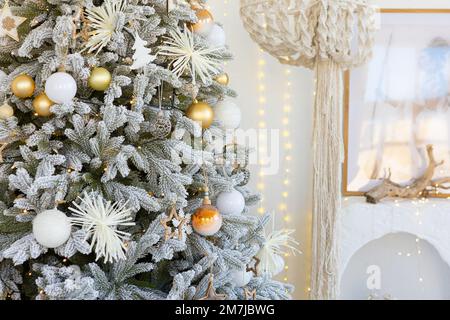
(361, 222)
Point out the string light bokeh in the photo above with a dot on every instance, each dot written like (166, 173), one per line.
(262, 134)
(286, 136)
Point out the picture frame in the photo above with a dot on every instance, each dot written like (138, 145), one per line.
(396, 104)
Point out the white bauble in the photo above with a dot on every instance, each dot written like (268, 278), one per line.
(51, 228)
(232, 202)
(278, 263)
(228, 113)
(217, 37)
(61, 87)
(270, 263)
(240, 278)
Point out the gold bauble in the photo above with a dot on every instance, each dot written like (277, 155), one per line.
(23, 86)
(100, 79)
(204, 23)
(201, 112)
(206, 220)
(223, 79)
(6, 111)
(42, 104)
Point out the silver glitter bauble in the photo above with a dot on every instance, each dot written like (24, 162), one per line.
(246, 174)
(161, 126)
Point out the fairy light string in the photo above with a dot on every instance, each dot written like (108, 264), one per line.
(286, 134)
(225, 11)
(262, 132)
(418, 204)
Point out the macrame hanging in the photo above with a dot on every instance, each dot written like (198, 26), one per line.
(327, 36)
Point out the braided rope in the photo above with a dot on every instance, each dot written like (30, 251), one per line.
(298, 31)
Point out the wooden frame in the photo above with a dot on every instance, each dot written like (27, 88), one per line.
(345, 191)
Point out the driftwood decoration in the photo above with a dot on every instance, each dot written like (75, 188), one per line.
(419, 187)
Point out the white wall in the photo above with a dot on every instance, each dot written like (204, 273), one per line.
(244, 78)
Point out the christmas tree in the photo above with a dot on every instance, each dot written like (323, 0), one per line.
(113, 185)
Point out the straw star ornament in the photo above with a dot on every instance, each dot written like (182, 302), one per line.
(250, 294)
(187, 55)
(211, 293)
(102, 23)
(9, 23)
(178, 223)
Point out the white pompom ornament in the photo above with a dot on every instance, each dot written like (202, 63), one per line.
(51, 228)
(240, 278)
(232, 202)
(217, 37)
(274, 247)
(228, 113)
(61, 87)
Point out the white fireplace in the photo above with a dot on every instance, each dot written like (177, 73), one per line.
(425, 245)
